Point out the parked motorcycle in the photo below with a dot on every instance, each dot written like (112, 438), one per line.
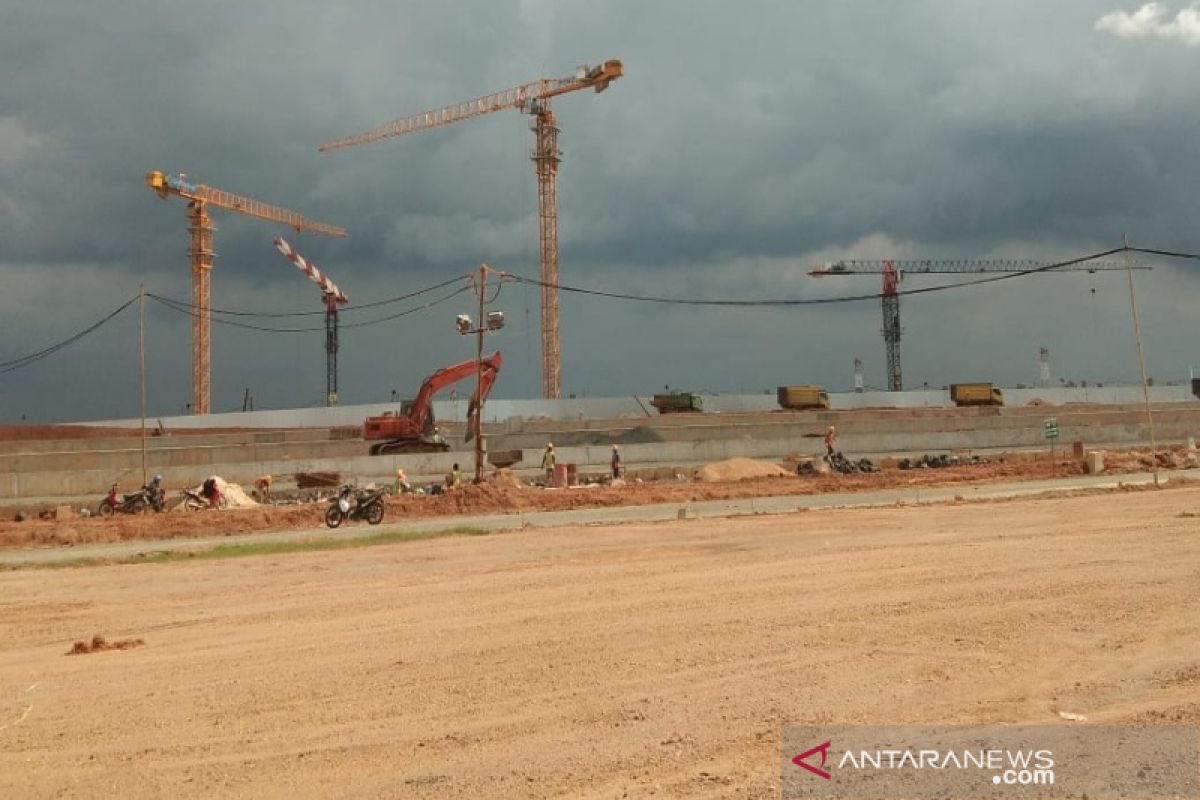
(354, 503)
(194, 501)
(139, 502)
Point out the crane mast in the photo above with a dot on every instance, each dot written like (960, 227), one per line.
(200, 256)
(531, 98)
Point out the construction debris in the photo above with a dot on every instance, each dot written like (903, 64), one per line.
(99, 644)
(934, 462)
(314, 480)
(836, 463)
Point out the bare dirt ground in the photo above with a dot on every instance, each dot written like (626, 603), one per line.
(502, 497)
(641, 660)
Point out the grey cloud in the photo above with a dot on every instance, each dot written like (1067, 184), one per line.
(743, 143)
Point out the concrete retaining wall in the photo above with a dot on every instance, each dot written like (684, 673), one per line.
(94, 471)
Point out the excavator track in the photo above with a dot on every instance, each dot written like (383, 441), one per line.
(402, 447)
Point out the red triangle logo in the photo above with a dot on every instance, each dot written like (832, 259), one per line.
(823, 749)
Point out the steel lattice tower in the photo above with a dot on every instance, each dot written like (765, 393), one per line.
(891, 326)
(546, 158)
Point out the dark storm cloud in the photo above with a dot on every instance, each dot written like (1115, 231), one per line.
(745, 141)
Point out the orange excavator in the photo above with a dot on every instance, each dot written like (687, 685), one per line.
(412, 429)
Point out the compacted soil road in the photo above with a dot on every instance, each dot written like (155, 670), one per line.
(633, 660)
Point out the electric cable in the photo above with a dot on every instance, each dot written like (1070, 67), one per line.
(343, 309)
(24, 361)
(189, 310)
(819, 300)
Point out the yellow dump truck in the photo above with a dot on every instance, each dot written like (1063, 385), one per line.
(800, 397)
(976, 394)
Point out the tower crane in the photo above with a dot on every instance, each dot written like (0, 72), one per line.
(200, 254)
(333, 297)
(893, 271)
(531, 98)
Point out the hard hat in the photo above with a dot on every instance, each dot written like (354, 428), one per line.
(614, 447)
(157, 478)
(549, 445)
(831, 427)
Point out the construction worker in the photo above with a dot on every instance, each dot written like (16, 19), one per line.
(263, 485)
(402, 482)
(616, 463)
(156, 493)
(212, 491)
(454, 479)
(830, 440)
(548, 461)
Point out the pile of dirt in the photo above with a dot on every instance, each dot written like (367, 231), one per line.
(506, 479)
(99, 644)
(737, 469)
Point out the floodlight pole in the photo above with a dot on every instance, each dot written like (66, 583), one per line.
(482, 289)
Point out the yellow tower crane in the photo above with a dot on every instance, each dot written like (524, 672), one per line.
(200, 254)
(530, 98)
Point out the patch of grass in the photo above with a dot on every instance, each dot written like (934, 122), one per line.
(263, 548)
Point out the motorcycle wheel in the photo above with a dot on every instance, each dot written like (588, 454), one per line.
(105, 510)
(375, 513)
(139, 506)
(333, 516)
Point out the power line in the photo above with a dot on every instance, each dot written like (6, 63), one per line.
(185, 308)
(25, 361)
(343, 310)
(807, 301)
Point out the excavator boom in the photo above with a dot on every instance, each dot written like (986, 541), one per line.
(405, 432)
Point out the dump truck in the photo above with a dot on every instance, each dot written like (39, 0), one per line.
(976, 394)
(800, 397)
(678, 403)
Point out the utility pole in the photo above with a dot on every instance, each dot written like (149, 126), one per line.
(482, 288)
(142, 369)
(489, 322)
(1137, 335)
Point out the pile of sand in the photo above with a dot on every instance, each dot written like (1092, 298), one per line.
(233, 493)
(237, 497)
(736, 469)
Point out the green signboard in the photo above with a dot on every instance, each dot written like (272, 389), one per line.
(1051, 428)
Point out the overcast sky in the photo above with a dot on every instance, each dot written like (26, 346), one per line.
(746, 142)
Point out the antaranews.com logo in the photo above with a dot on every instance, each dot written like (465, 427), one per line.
(1009, 767)
(1061, 761)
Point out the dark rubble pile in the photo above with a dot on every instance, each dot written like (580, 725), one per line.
(934, 462)
(839, 463)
